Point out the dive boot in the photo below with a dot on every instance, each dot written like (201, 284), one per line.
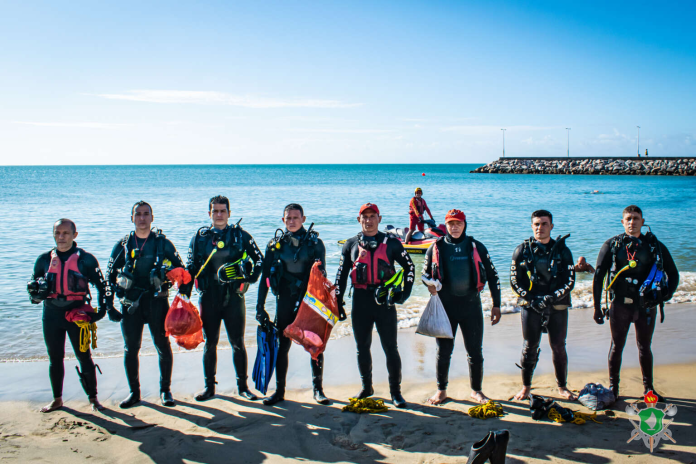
(366, 392)
(167, 399)
(318, 380)
(501, 439)
(132, 400)
(398, 400)
(276, 397)
(482, 449)
(615, 390)
(319, 396)
(539, 406)
(244, 392)
(205, 394)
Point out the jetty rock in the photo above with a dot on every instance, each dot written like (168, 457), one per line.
(618, 166)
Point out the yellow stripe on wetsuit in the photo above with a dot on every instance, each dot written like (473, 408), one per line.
(321, 309)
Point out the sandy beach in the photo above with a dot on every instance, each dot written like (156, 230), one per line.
(230, 429)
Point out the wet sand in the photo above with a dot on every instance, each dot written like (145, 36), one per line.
(229, 429)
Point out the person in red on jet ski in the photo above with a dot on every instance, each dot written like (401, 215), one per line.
(416, 211)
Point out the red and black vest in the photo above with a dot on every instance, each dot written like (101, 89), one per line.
(67, 282)
(477, 263)
(372, 269)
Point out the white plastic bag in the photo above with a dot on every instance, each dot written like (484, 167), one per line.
(432, 283)
(434, 321)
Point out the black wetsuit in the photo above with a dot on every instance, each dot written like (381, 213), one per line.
(624, 307)
(292, 287)
(462, 302)
(139, 257)
(545, 306)
(366, 313)
(221, 301)
(55, 326)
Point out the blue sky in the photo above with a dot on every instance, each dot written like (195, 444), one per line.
(343, 82)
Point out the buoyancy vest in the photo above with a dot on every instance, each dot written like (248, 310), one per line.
(371, 268)
(476, 262)
(543, 268)
(67, 282)
(159, 250)
(646, 284)
(291, 264)
(228, 247)
(132, 282)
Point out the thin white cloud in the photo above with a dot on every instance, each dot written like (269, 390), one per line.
(547, 140)
(615, 137)
(84, 125)
(344, 131)
(222, 98)
(484, 130)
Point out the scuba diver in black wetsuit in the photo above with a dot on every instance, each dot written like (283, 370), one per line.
(640, 276)
(369, 259)
(60, 280)
(286, 267)
(224, 260)
(137, 273)
(463, 266)
(542, 274)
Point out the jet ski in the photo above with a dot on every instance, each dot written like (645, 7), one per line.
(420, 241)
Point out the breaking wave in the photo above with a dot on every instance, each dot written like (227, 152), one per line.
(409, 313)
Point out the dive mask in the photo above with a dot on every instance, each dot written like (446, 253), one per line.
(124, 280)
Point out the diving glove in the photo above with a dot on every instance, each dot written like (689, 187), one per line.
(400, 298)
(598, 316)
(262, 317)
(342, 312)
(98, 316)
(542, 303)
(114, 315)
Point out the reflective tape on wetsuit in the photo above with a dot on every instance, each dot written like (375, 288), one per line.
(320, 309)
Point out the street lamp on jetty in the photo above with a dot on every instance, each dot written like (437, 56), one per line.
(503, 142)
(568, 129)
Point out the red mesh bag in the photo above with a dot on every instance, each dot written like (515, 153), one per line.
(191, 341)
(179, 276)
(182, 318)
(317, 315)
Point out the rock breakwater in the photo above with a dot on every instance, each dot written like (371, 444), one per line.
(592, 166)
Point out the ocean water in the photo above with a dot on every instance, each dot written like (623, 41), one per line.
(498, 209)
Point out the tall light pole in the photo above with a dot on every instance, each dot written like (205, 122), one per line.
(503, 142)
(568, 129)
(638, 140)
